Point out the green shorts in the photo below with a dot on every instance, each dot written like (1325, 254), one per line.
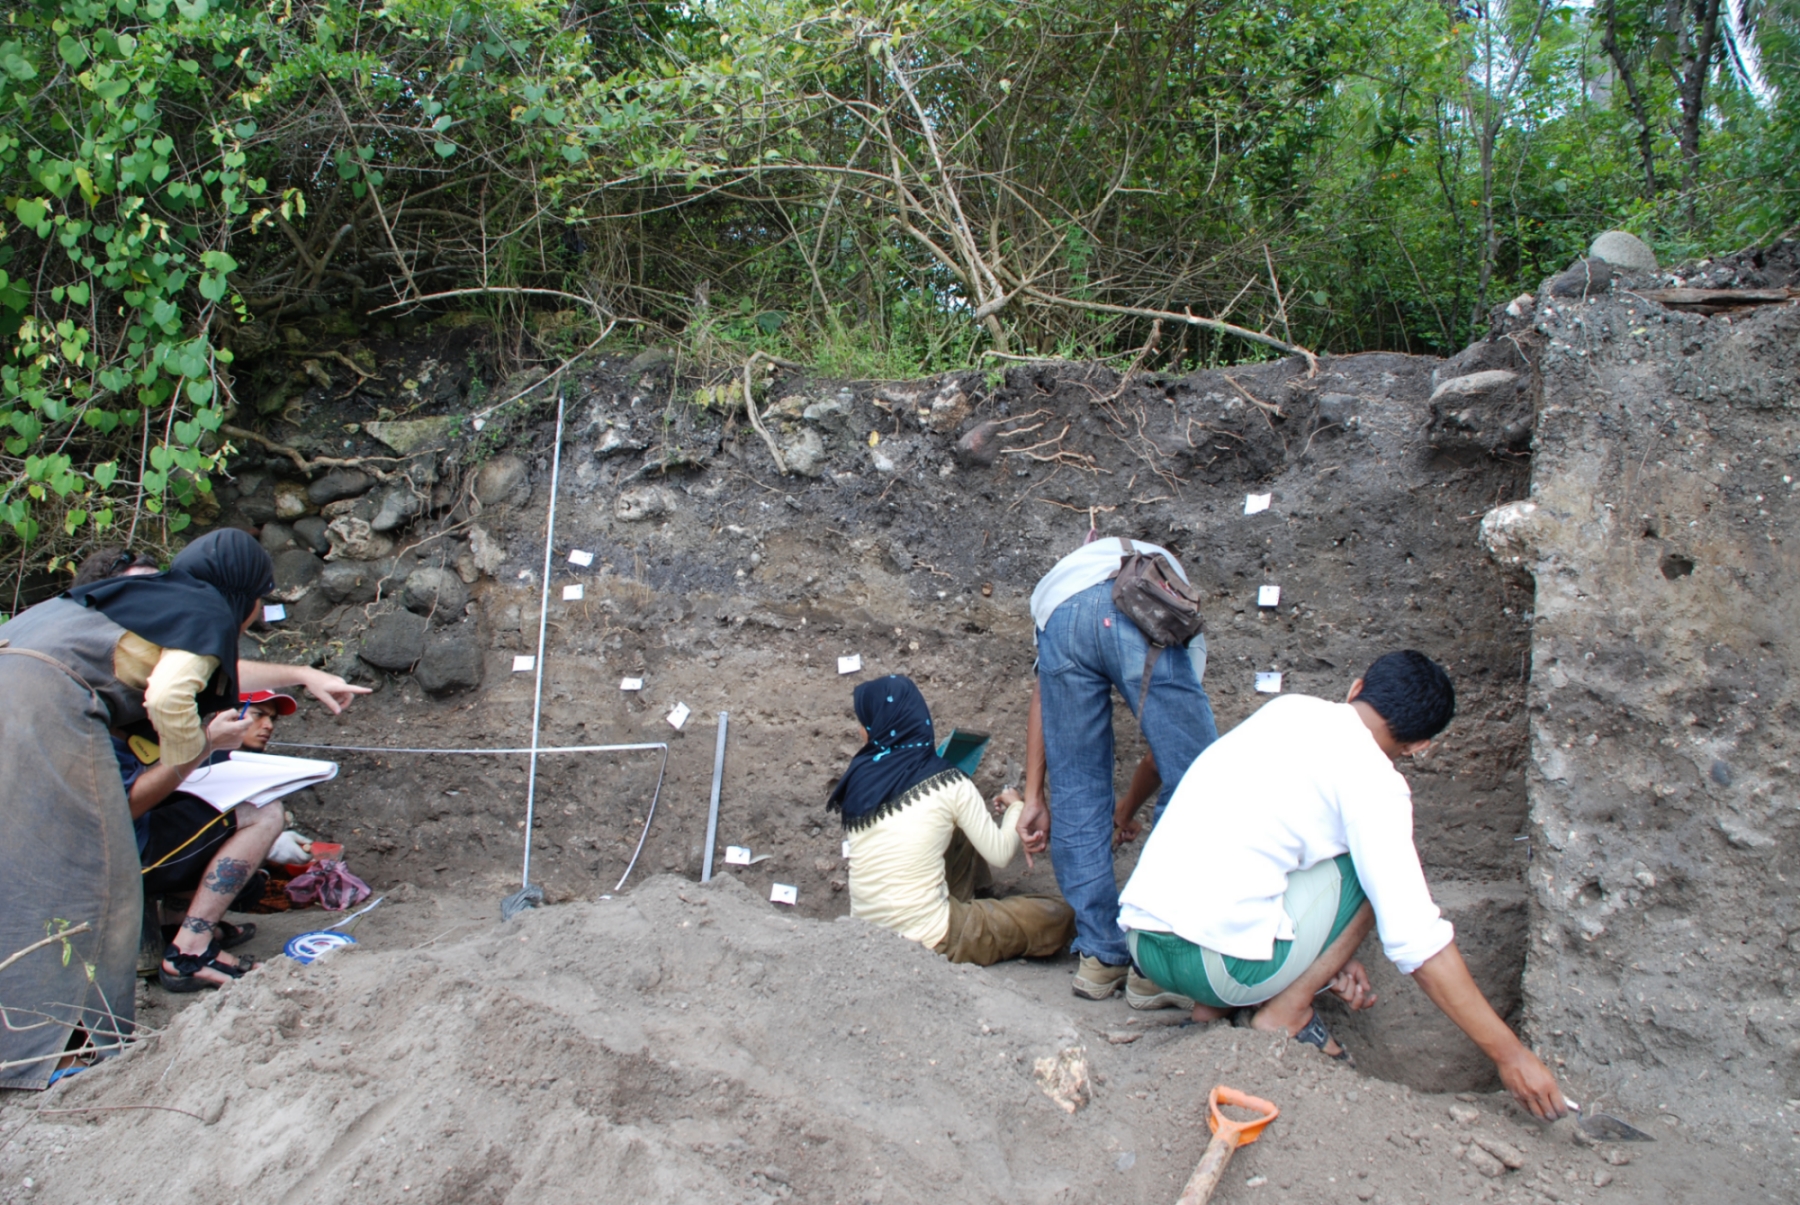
(1320, 900)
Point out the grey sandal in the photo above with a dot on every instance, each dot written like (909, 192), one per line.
(1314, 1033)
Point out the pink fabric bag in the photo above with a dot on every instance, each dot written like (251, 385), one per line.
(328, 884)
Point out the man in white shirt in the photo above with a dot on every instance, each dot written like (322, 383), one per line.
(1087, 648)
(1285, 843)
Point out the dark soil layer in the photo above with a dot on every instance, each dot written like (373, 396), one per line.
(730, 587)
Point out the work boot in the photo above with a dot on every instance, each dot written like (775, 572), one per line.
(1144, 994)
(1094, 980)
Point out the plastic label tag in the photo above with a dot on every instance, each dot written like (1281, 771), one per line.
(523, 663)
(274, 613)
(1268, 596)
(781, 893)
(851, 664)
(679, 715)
(581, 558)
(737, 855)
(1268, 683)
(1257, 503)
(631, 684)
(574, 593)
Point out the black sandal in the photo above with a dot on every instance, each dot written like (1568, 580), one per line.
(188, 968)
(1314, 1033)
(230, 936)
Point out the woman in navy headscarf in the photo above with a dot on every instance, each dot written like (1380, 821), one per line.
(916, 825)
(158, 649)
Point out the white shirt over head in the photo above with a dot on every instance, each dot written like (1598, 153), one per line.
(1297, 783)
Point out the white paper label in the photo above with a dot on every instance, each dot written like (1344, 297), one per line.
(846, 847)
(583, 559)
(679, 715)
(274, 613)
(523, 663)
(781, 893)
(574, 593)
(1268, 683)
(851, 664)
(1257, 503)
(1268, 596)
(737, 855)
(631, 684)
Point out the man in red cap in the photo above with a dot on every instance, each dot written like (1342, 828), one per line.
(186, 845)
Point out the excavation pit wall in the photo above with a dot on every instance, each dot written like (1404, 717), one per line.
(1664, 830)
(729, 587)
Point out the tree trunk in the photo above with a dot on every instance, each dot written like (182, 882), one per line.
(1696, 65)
(1639, 113)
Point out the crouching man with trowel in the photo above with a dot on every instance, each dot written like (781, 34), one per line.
(1286, 841)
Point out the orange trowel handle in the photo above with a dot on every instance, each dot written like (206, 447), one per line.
(1228, 1135)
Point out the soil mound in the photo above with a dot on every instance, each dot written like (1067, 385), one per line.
(695, 1043)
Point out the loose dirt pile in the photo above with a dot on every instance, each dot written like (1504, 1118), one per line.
(690, 1043)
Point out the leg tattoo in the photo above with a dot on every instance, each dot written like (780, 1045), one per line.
(195, 924)
(228, 876)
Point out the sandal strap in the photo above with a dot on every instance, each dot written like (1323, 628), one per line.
(1314, 1033)
(188, 965)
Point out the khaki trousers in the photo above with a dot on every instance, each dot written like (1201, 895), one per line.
(988, 931)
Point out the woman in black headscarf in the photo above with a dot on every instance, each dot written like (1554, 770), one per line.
(113, 655)
(916, 825)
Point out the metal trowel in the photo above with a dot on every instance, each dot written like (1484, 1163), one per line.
(1604, 1127)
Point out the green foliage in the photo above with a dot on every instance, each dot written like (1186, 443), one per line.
(879, 188)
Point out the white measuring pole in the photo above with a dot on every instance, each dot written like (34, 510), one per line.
(712, 812)
(537, 694)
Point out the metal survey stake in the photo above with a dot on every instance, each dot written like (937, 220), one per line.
(712, 812)
(528, 896)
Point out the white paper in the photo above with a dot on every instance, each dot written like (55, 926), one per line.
(846, 847)
(256, 778)
(583, 559)
(737, 855)
(1268, 683)
(274, 613)
(631, 684)
(851, 664)
(1257, 503)
(679, 715)
(1268, 596)
(524, 663)
(574, 593)
(781, 893)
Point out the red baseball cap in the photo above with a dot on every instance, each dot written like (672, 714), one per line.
(284, 704)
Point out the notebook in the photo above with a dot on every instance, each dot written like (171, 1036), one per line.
(256, 778)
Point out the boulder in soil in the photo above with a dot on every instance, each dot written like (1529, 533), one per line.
(451, 662)
(503, 481)
(979, 447)
(295, 571)
(276, 538)
(409, 435)
(338, 485)
(804, 452)
(349, 581)
(310, 533)
(395, 641)
(436, 592)
(1581, 279)
(1624, 251)
(644, 503)
(399, 503)
(353, 539)
(1483, 411)
(1499, 354)
(291, 501)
